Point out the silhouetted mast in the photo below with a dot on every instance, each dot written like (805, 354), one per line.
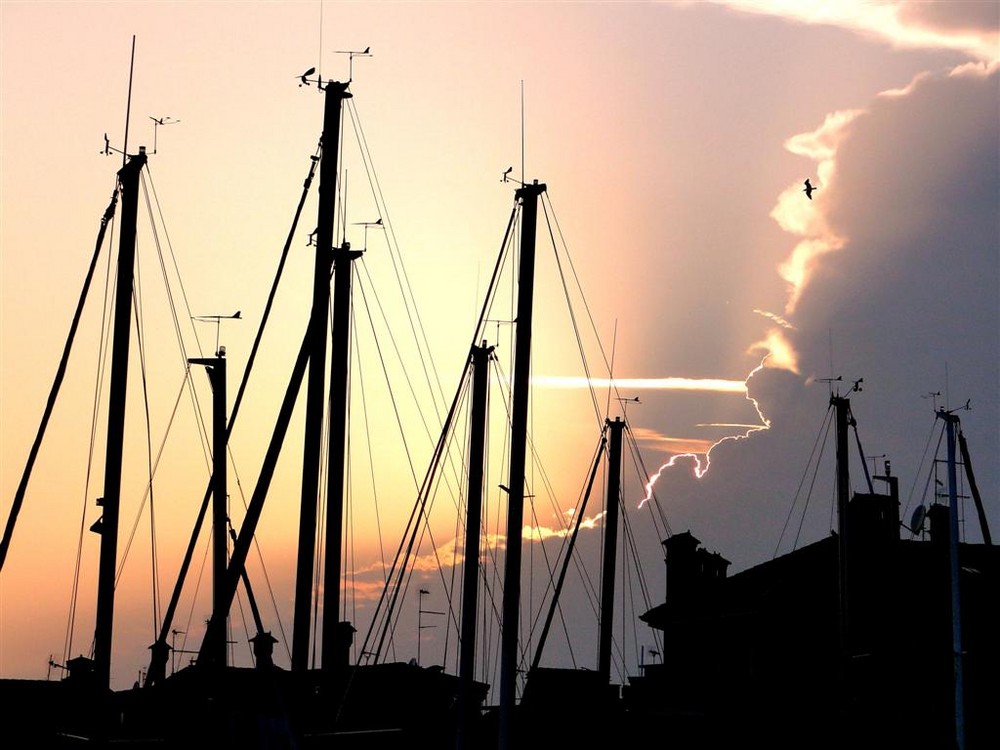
(337, 635)
(528, 196)
(951, 424)
(842, 410)
(107, 526)
(216, 367)
(336, 92)
(470, 567)
(610, 549)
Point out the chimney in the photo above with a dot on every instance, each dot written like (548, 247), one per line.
(682, 568)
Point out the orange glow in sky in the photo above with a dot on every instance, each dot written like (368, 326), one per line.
(674, 139)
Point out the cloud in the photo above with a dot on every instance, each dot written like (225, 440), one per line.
(893, 276)
(803, 217)
(971, 28)
(667, 384)
(948, 15)
(655, 439)
(541, 533)
(778, 350)
(892, 200)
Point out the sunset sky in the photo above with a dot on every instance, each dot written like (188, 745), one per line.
(674, 139)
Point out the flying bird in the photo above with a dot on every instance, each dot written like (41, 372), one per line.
(808, 190)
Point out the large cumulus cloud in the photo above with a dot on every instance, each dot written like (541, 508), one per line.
(899, 261)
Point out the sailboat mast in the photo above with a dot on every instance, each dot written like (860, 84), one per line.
(528, 197)
(951, 423)
(216, 367)
(336, 636)
(470, 574)
(842, 408)
(610, 549)
(128, 179)
(336, 92)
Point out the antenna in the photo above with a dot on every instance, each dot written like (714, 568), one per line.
(522, 131)
(625, 402)
(220, 351)
(157, 121)
(351, 54)
(933, 395)
(128, 107)
(366, 224)
(108, 148)
(873, 459)
(830, 381)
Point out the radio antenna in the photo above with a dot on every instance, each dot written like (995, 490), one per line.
(522, 131)
(128, 106)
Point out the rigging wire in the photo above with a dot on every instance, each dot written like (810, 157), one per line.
(57, 382)
(817, 450)
(242, 389)
(572, 313)
(141, 341)
(659, 517)
(402, 278)
(579, 286)
(920, 464)
(102, 354)
(405, 548)
(932, 469)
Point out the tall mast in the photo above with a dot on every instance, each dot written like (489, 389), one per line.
(951, 423)
(216, 367)
(528, 196)
(842, 407)
(610, 549)
(470, 572)
(336, 636)
(336, 92)
(128, 180)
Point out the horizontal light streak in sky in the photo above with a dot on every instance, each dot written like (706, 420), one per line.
(659, 384)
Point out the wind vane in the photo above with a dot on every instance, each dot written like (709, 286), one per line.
(157, 121)
(351, 54)
(366, 224)
(625, 401)
(220, 351)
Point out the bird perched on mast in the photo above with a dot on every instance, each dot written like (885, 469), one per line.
(808, 190)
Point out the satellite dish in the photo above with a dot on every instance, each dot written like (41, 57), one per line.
(917, 519)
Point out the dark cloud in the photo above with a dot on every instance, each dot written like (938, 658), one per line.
(911, 301)
(910, 304)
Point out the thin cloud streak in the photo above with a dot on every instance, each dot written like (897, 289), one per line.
(661, 384)
(898, 23)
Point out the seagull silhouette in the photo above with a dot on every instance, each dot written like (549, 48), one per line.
(808, 190)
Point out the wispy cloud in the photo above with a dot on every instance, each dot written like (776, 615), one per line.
(701, 453)
(774, 318)
(658, 440)
(662, 384)
(901, 23)
(541, 533)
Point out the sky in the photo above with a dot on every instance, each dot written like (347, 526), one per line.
(674, 139)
